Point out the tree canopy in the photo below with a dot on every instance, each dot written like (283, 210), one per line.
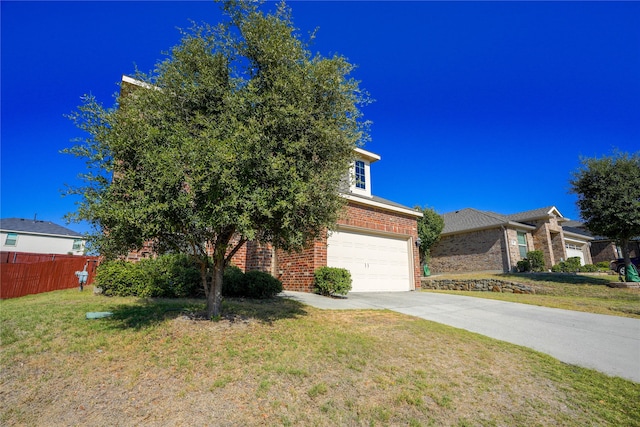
(608, 191)
(239, 134)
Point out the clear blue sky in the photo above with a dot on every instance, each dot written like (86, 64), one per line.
(478, 104)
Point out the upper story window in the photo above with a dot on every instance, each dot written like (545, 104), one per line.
(77, 245)
(361, 177)
(12, 239)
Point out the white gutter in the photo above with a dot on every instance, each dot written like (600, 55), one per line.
(506, 242)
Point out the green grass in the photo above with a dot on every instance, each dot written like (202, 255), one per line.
(278, 362)
(580, 292)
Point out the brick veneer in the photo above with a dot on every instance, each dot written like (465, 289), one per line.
(475, 251)
(295, 269)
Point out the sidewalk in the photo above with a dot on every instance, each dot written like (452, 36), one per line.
(609, 344)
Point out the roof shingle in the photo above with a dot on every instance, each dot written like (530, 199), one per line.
(36, 226)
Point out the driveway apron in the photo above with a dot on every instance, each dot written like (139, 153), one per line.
(609, 344)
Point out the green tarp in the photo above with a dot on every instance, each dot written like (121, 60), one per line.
(631, 274)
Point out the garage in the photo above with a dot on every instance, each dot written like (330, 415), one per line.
(378, 263)
(573, 250)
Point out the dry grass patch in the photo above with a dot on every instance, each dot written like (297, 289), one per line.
(280, 363)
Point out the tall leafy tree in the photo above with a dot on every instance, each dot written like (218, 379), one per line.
(239, 134)
(608, 191)
(429, 228)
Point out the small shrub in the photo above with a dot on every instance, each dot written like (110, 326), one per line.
(571, 265)
(533, 262)
(332, 281)
(168, 276)
(523, 266)
(232, 281)
(173, 276)
(536, 260)
(261, 285)
(588, 268)
(121, 278)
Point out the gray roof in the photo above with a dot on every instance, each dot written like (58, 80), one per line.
(36, 227)
(471, 219)
(577, 230)
(574, 224)
(533, 214)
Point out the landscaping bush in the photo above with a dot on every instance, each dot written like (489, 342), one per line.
(120, 278)
(168, 276)
(589, 268)
(523, 266)
(232, 281)
(332, 281)
(261, 285)
(252, 284)
(173, 276)
(571, 265)
(536, 260)
(533, 262)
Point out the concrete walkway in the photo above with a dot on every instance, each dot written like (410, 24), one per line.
(609, 344)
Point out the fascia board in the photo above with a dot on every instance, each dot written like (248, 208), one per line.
(509, 224)
(568, 236)
(32, 233)
(367, 155)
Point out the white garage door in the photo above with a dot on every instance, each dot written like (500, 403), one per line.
(376, 263)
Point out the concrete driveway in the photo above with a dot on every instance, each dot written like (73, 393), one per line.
(609, 344)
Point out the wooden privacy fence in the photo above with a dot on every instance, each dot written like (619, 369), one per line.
(25, 273)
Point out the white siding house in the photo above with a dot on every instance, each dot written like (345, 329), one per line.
(35, 236)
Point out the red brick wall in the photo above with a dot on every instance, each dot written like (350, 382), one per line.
(295, 270)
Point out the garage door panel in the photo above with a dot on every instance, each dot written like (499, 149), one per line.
(376, 263)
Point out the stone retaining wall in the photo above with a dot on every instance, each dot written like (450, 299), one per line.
(485, 285)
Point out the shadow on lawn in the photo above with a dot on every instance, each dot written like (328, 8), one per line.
(149, 312)
(565, 278)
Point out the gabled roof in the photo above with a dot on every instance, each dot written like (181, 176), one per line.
(470, 219)
(535, 214)
(31, 226)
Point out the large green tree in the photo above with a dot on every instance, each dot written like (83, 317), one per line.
(608, 191)
(239, 134)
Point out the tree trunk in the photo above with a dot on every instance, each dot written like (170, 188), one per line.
(214, 294)
(624, 244)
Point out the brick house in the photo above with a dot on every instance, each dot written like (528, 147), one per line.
(375, 240)
(474, 240)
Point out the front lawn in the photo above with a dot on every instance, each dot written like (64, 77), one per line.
(580, 292)
(278, 362)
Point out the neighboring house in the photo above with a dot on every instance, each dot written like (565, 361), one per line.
(474, 240)
(36, 236)
(604, 248)
(375, 240)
